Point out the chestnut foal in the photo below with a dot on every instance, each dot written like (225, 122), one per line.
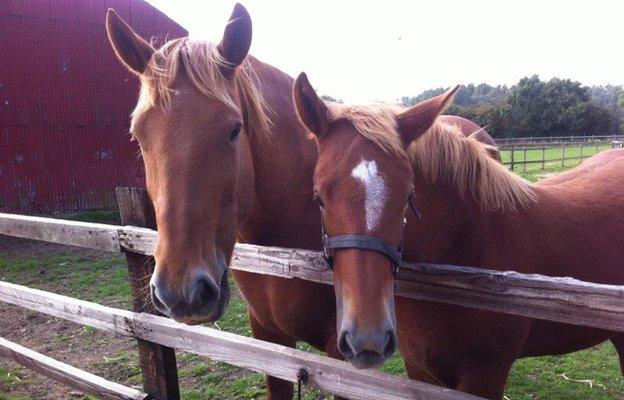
(374, 162)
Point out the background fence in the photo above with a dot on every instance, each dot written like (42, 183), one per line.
(539, 140)
(553, 151)
(556, 299)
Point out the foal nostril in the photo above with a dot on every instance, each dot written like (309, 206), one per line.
(353, 344)
(344, 346)
(203, 292)
(391, 344)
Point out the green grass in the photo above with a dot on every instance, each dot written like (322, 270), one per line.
(101, 216)
(543, 377)
(104, 280)
(534, 172)
(10, 378)
(101, 279)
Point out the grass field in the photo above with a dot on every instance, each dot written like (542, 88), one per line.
(590, 374)
(553, 157)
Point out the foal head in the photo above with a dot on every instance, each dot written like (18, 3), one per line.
(363, 183)
(197, 105)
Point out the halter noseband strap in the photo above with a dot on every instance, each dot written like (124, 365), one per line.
(365, 242)
(362, 242)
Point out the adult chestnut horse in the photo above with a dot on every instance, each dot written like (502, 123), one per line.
(221, 166)
(473, 131)
(374, 161)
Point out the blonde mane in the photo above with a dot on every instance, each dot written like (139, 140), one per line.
(202, 64)
(443, 154)
(376, 122)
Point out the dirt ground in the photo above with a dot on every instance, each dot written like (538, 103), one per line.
(57, 338)
(65, 270)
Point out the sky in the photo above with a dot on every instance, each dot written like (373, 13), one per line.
(362, 51)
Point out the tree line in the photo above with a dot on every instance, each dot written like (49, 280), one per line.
(532, 107)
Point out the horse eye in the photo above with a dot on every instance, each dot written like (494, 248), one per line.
(317, 199)
(235, 133)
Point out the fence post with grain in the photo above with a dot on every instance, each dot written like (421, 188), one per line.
(158, 363)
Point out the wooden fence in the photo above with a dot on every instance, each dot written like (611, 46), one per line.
(556, 299)
(518, 152)
(539, 140)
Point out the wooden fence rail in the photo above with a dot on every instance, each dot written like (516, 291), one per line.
(557, 139)
(328, 374)
(557, 299)
(518, 152)
(67, 374)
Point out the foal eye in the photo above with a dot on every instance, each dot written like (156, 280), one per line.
(235, 133)
(317, 199)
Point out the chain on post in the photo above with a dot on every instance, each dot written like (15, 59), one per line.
(302, 378)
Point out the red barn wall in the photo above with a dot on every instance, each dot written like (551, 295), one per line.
(65, 102)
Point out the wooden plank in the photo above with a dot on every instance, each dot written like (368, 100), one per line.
(549, 160)
(158, 363)
(565, 300)
(328, 374)
(68, 375)
(74, 233)
(557, 299)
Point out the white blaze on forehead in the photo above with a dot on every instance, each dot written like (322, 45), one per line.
(375, 187)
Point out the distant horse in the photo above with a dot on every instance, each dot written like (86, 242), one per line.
(375, 161)
(226, 158)
(591, 164)
(474, 131)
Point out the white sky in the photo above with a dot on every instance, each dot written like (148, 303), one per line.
(363, 51)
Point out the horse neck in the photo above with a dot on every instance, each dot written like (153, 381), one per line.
(283, 166)
(442, 234)
(455, 228)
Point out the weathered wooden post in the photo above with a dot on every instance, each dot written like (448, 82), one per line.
(543, 156)
(513, 151)
(158, 363)
(524, 160)
(563, 154)
(581, 153)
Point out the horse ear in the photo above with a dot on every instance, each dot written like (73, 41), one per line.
(418, 119)
(312, 110)
(130, 48)
(237, 37)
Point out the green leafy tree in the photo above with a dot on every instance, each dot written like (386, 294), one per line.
(534, 107)
(329, 98)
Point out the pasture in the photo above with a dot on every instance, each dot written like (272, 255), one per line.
(553, 157)
(100, 277)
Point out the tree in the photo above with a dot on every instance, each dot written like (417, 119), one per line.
(329, 98)
(536, 108)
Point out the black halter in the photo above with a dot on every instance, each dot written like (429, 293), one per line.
(366, 242)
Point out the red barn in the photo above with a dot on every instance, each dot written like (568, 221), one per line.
(65, 102)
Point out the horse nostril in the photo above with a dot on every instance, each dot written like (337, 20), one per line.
(203, 292)
(344, 346)
(391, 344)
(158, 303)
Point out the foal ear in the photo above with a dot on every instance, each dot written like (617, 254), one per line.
(312, 110)
(237, 37)
(418, 119)
(130, 48)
